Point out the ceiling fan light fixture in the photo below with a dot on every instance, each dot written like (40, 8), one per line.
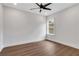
(42, 7)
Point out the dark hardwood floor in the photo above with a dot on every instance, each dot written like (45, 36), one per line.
(42, 48)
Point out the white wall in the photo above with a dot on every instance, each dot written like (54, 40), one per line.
(1, 27)
(67, 27)
(22, 27)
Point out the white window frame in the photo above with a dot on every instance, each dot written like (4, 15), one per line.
(53, 20)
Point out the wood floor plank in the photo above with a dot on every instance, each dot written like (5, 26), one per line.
(42, 48)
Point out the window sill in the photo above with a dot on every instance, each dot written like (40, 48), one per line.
(51, 34)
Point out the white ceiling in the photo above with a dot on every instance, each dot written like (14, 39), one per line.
(56, 7)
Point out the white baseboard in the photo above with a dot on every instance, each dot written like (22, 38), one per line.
(64, 43)
(19, 43)
(24, 42)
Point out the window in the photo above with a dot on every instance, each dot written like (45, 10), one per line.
(51, 26)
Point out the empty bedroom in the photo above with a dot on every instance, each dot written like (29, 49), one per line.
(39, 29)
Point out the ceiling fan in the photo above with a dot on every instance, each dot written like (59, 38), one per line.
(42, 7)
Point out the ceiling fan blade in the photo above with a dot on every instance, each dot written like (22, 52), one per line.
(47, 4)
(37, 4)
(47, 8)
(34, 8)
